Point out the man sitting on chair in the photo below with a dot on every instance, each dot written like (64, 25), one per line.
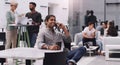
(89, 34)
(50, 39)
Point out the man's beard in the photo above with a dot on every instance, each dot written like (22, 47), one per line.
(31, 9)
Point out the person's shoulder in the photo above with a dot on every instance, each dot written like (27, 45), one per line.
(86, 28)
(38, 12)
(28, 12)
(42, 31)
(8, 12)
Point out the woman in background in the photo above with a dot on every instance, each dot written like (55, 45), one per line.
(11, 31)
(112, 31)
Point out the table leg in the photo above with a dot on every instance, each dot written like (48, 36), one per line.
(19, 33)
(28, 62)
(16, 63)
(27, 35)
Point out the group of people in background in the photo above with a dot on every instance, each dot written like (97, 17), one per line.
(90, 32)
(11, 31)
(107, 28)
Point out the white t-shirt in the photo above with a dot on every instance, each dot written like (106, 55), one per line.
(89, 32)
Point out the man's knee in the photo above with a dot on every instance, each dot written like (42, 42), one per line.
(82, 49)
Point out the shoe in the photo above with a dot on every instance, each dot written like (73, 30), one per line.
(101, 53)
(71, 63)
(86, 44)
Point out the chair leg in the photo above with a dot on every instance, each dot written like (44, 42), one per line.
(2, 63)
(28, 62)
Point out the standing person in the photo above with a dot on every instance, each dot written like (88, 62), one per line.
(37, 19)
(48, 37)
(92, 18)
(89, 34)
(11, 31)
(86, 17)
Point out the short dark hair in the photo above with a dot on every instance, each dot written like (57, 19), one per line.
(90, 23)
(106, 22)
(33, 3)
(101, 23)
(92, 12)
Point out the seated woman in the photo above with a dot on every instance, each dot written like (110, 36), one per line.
(112, 31)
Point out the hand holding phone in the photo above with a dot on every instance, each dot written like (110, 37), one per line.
(60, 26)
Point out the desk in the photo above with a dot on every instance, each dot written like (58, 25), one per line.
(25, 53)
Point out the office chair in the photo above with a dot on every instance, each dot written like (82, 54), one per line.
(56, 58)
(2, 46)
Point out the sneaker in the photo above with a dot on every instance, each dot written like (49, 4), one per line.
(86, 44)
(71, 63)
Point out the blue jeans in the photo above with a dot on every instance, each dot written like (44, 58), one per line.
(99, 43)
(33, 38)
(76, 54)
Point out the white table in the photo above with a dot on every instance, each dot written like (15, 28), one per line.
(25, 53)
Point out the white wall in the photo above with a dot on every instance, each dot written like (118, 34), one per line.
(112, 10)
(60, 11)
(3, 9)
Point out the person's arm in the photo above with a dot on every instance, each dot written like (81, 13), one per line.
(93, 34)
(40, 40)
(8, 17)
(50, 47)
(61, 26)
(66, 39)
(84, 35)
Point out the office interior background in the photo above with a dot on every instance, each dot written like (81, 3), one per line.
(69, 12)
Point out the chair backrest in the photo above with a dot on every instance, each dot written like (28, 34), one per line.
(58, 58)
(78, 38)
(118, 33)
(111, 41)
